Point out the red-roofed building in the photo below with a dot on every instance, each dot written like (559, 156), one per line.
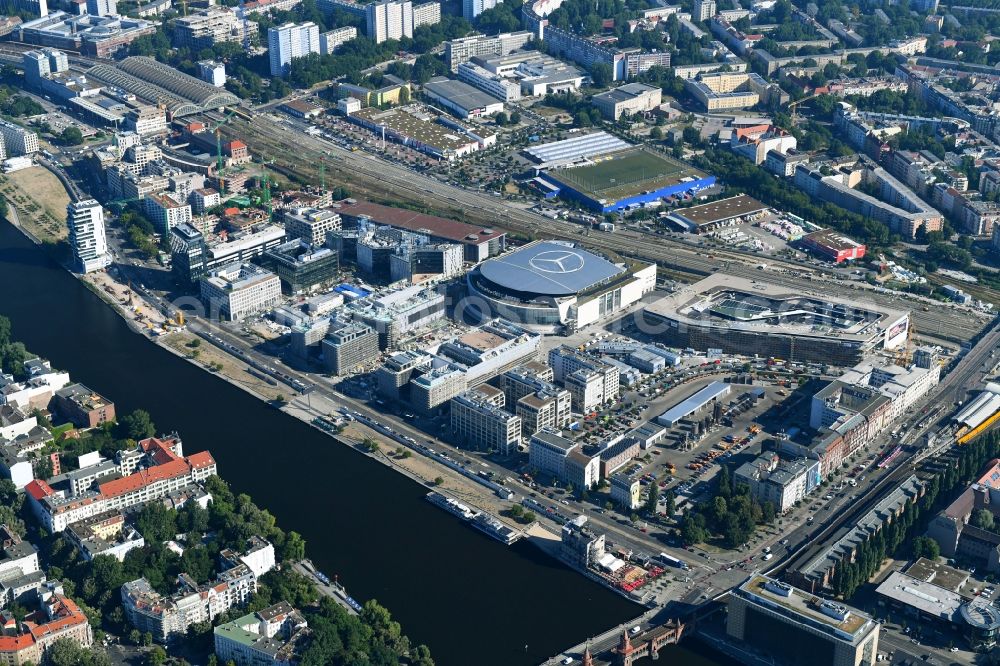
(480, 243)
(56, 618)
(38, 489)
(154, 470)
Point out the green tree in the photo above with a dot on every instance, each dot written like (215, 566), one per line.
(601, 74)
(156, 523)
(138, 425)
(156, 656)
(926, 547)
(66, 652)
(72, 136)
(294, 548)
(421, 656)
(670, 502)
(983, 519)
(652, 497)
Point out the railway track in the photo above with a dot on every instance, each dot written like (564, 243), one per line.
(377, 178)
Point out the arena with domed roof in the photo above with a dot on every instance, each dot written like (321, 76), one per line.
(552, 286)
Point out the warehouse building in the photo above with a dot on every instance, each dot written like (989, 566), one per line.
(740, 209)
(461, 99)
(419, 128)
(833, 245)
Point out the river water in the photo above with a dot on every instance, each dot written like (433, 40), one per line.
(472, 600)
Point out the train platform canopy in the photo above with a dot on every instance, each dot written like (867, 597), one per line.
(982, 407)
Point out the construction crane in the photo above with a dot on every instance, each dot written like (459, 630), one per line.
(220, 165)
(266, 188)
(906, 352)
(322, 174)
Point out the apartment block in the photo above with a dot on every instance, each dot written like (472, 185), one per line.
(207, 27)
(703, 10)
(290, 41)
(275, 635)
(783, 483)
(329, 41)
(52, 616)
(146, 120)
(166, 210)
(18, 140)
(82, 406)
(169, 617)
(427, 13)
(389, 19)
(465, 49)
(152, 471)
(87, 237)
(473, 8)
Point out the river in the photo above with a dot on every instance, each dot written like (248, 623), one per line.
(472, 600)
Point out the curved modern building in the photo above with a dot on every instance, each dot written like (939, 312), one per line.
(742, 316)
(549, 286)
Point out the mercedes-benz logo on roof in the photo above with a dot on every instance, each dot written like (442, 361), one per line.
(557, 261)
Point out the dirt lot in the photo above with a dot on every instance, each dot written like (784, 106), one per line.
(206, 355)
(40, 200)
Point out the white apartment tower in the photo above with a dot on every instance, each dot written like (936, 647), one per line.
(389, 19)
(86, 235)
(703, 10)
(290, 41)
(102, 7)
(18, 140)
(473, 8)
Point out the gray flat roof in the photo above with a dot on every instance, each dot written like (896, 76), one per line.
(737, 303)
(928, 598)
(459, 93)
(693, 403)
(549, 268)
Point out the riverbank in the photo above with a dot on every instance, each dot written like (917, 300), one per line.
(421, 468)
(450, 586)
